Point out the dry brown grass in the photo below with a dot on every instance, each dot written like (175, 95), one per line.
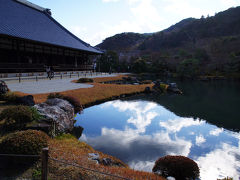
(96, 93)
(74, 151)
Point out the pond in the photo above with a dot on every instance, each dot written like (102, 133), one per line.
(203, 124)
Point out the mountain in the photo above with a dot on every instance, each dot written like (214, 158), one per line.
(191, 47)
(123, 41)
(187, 31)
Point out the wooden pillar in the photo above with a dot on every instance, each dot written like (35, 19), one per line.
(44, 163)
(76, 63)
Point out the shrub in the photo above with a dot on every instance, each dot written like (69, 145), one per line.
(10, 97)
(16, 117)
(72, 100)
(28, 142)
(179, 167)
(55, 95)
(36, 116)
(164, 87)
(85, 80)
(146, 82)
(75, 102)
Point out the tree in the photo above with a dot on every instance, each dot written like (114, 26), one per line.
(188, 68)
(109, 61)
(139, 66)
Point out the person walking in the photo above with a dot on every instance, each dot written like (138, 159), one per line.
(48, 71)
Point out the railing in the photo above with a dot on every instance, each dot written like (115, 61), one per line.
(45, 162)
(57, 75)
(21, 67)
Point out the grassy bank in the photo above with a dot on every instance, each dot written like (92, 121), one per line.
(70, 149)
(100, 92)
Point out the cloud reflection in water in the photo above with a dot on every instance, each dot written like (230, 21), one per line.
(171, 134)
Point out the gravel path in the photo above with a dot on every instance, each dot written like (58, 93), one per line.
(47, 86)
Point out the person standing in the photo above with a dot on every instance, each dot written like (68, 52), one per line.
(48, 71)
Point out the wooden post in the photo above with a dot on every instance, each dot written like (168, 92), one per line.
(19, 79)
(44, 163)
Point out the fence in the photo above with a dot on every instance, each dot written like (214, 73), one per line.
(57, 75)
(45, 161)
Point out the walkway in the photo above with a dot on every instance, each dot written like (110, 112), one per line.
(47, 86)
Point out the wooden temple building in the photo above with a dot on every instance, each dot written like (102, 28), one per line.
(31, 39)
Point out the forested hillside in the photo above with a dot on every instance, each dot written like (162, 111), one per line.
(209, 45)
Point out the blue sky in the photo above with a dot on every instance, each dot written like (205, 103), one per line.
(95, 20)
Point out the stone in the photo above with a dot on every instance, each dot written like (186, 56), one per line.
(3, 87)
(147, 90)
(57, 111)
(26, 100)
(77, 131)
(107, 162)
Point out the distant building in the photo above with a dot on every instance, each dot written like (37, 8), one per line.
(31, 39)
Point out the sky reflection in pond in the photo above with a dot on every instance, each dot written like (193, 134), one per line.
(139, 132)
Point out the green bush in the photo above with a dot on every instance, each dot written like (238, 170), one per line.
(85, 80)
(179, 167)
(28, 142)
(16, 117)
(36, 116)
(10, 97)
(72, 100)
(65, 136)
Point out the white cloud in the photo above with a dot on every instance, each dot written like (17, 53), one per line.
(220, 163)
(131, 147)
(175, 125)
(185, 9)
(78, 30)
(142, 114)
(142, 165)
(216, 132)
(147, 16)
(230, 3)
(106, 30)
(200, 140)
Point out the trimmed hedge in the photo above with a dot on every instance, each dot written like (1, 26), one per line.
(16, 117)
(28, 142)
(72, 100)
(10, 97)
(85, 80)
(179, 167)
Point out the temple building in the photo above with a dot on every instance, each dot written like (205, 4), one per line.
(31, 39)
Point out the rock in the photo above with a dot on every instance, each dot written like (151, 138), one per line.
(147, 90)
(77, 131)
(104, 161)
(173, 88)
(107, 162)
(26, 100)
(94, 157)
(3, 87)
(57, 111)
(173, 85)
(170, 178)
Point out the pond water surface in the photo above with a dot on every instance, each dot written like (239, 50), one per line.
(202, 124)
